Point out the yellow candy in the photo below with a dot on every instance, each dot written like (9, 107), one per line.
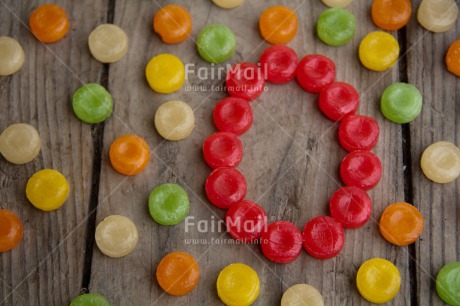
(437, 15)
(108, 43)
(238, 285)
(337, 3)
(378, 280)
(228, 4)
(378, 51)
(11, 56)
(20, 143)
(441, 162)
(302, 295)
(165, 73)
(116, 236)
(174, 120)
(47, 189)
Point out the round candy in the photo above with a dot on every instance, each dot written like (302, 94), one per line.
(378, 280)
(278, 24)
(238, 285)
(358, 133)
(47, 189)
(351, 207)
(361, 169)
(323, 237)
(92, 103)
(216, 43)
(108, 43)
(173, 23)
(401, 102)
(20, 143)
(391, 15)
(116, 236)
(401, 224)
(90, 299)
(49, 23)
(378, 51)
(336, 26)
(302, 295)
(174, 120)
(437, 15)
(12, 56)
(448, 283)
(225, 186)
(453, 58)
(228, 4)
(165, 73)
(233, 115)
(338, 100)
(11, 230)
(281, 242)
(168, 204)
(279, 64)
(441, 162)
(315, 72)
(223, 149)
(245, 221)
(245, 80)
(337, 3)
(129, 154)
(178, 273)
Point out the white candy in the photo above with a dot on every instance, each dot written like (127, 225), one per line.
(174, 120)
(108, 43)
(228, 4)
(116, 236)
(11, 56)
(437, 15)
(337, 3)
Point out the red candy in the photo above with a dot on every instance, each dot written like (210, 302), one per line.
(338, 100)
(323, 237)
(245, 80)
(279, 64)
(233, 115)
(350, 206)
(315, 72)
(361, 169)
(358, 133)
(245, 221)
(222, 149)
(282, 242)
(225, 186)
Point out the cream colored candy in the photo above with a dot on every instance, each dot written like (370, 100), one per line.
(228, 4)
(302, 295)
(437, 15)
(174, 120)
(11, 56)
(20, 143)
(108, 43)
(116, 236)
(441, 162)
(337, 3)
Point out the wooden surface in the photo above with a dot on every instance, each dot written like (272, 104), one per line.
(291, 160)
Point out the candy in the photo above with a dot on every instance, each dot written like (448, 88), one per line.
(337, 3)
(378, 51)
(315, 72)
(11, 57)
(437, 15)
(278, 24)
(116, 236)
(173, 24)
(245, 80)
(441, 162)
(361, 169)
(174, 120)
(90, 299)
(302, 295)
(216, 43)
(448, 283)
(49, 23)
(222, 149)
(129, 154)
(47, 189)
(233, 115)
(401, 102)
(358, 133)
(225, 186)
(20, 143)
(245, 221)
(168, 204)
(351, 207)
(336, 26)
(378, 280)
(453, 58)
(178, 273)
(11, 230)
(391, 15)
(338, 100)
(281, 242)
(92, 103)
(401, 224)
(108, 43)
(238, 285)
(165, 73)
(323, 237)
(228, 4)
(279, 64)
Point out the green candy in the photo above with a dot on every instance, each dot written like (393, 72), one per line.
(168, 204)
(448, 283)
(90, 299)
(401, 102)
(92, 103)
(216, 43)
(336, 26)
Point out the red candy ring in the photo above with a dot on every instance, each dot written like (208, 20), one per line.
(361, 169)
(282, 242)
(350, 206)
(245, 221)
(358, 133)
(233, 115)
(323, 237)
(338, 100)
(225, 186)
(246, 81)
(222, 149)
(315, 72)
(279, 64)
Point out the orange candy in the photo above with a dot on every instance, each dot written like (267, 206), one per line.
(49, 23)
(278, 24)
(129, 154)
(173, 23)
(453, 58)
(391, 15)
(178, 273)
(11, 230)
